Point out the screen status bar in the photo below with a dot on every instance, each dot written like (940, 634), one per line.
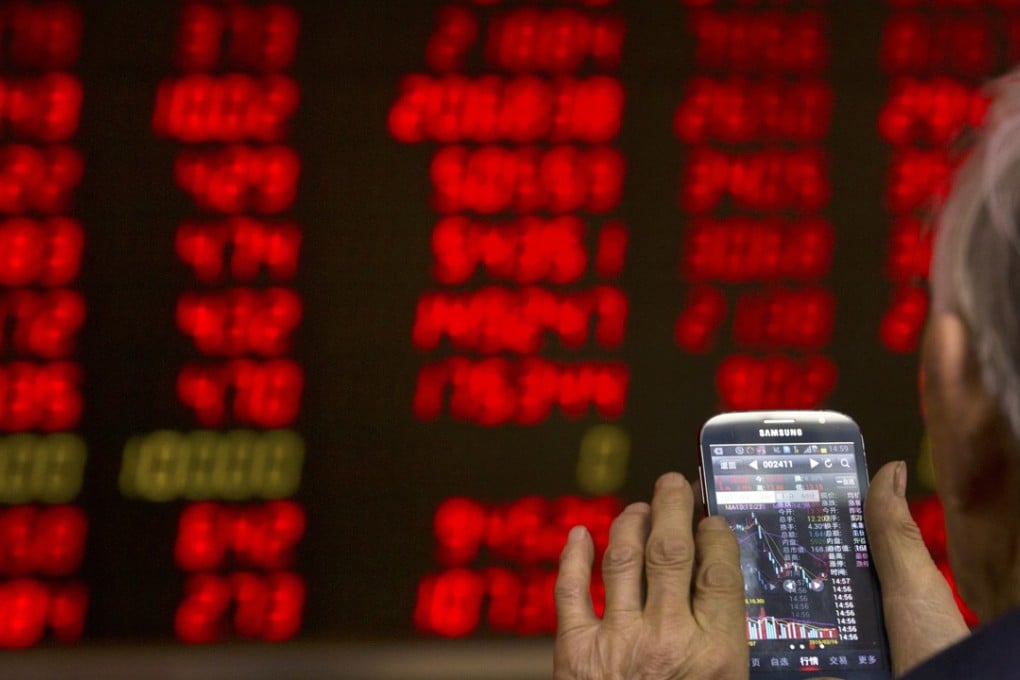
(798, 449)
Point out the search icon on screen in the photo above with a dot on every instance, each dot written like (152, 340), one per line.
(845, 462)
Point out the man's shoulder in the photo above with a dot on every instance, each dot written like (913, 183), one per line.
(991, 651)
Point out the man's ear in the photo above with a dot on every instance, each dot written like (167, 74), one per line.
(969, 435)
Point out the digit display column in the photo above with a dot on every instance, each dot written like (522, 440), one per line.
(524, 109)
(42, 459)
(757, 245)
(228, 106)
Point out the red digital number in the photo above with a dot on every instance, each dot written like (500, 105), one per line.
(527, 531)
(906, 44)
(230, 108)
(735, 111)
(240, 321)
(525, 109)
(904, 319)
(30, 606)
(910, 251)
(532, 530)
(916, 44)
(748, 383)
(268, 607)
(459, 525)
(45, 252)
(451, 603)
(455, 33)
(698, 324)
(262, 536)
(611, 249)
(769, 180)
(504, 591)
(524, 251)
(769, 42)
(48, 540)
(934, 111)
(785, 318)
(492, 392)
(557, 41)
(494, 319)
(43, 397)
(199, 37)
(38, 180)
(916, 178)
(741, 250)
(43, 324)
(536, 607)
(267, 394)
(241, 247)
(261, 38)
(265, 607)
(45, 35)
(45, 108)
(239, 178)
(560, 180)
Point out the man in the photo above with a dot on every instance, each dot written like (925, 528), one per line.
(690, 624)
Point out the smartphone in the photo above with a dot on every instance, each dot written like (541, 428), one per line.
(791, 485)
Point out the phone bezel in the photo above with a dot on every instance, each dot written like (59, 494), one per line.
(743, 428)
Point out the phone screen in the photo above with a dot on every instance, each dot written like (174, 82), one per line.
(795, 504)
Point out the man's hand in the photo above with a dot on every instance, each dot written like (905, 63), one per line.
(921, 616)
(692, 623)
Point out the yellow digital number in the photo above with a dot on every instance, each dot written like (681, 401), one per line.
(205, 465)
(44, 468)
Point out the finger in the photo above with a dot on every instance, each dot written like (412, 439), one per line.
(896, 543)
(573, 582)
(921, 615)
(718, 600)
(669, 553)
(623, 561)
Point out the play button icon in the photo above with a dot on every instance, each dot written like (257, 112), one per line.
(814, 463)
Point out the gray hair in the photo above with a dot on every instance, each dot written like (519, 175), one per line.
(976, 265)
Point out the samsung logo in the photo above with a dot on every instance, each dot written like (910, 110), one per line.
(781, 432)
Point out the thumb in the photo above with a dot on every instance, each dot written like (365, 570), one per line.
(921, 615)
(896, 541)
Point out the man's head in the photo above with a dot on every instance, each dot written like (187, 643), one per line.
(971, 362)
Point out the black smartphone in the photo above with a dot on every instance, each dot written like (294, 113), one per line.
(791, 485)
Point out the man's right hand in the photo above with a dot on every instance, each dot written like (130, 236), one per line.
(921, 615)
